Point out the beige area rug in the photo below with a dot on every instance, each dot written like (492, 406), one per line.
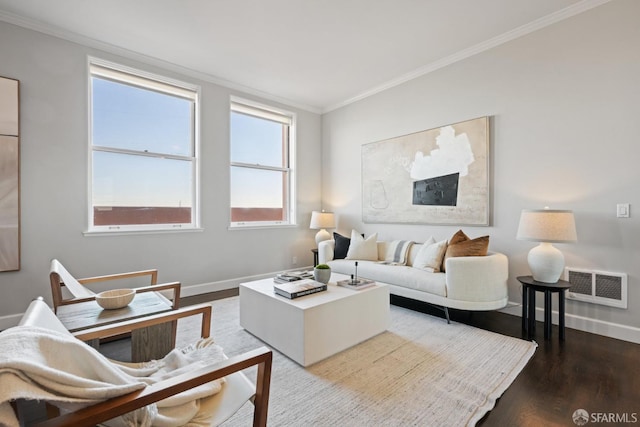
(421, 372)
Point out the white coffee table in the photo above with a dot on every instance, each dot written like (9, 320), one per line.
(314, 327)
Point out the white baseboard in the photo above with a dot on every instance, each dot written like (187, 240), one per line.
(9, 321)
(204, 288)
(581, 323)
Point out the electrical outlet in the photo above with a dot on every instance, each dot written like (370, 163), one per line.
(294, 260)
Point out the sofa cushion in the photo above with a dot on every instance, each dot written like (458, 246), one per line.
(399, 275)
(460, 245)
(361, 248)
(430, 256)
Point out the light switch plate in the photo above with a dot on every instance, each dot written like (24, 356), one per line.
(623, 210)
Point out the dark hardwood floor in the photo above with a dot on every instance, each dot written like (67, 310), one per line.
(598, 374)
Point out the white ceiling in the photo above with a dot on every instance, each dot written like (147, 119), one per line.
(314, 54)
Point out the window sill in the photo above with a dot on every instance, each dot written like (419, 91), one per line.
(260, 227)
(97, 233)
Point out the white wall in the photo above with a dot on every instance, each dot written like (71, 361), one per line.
(53, 85)
(564, 105)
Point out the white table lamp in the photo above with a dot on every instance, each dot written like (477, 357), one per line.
(546, 226)
(322, 221)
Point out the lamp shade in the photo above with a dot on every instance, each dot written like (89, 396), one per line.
(320, 220)
(547, 225)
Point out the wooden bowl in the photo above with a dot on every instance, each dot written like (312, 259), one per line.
(116, 298)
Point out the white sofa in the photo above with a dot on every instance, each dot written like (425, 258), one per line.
(470, 283)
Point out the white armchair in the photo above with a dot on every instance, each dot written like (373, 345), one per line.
(235, 391)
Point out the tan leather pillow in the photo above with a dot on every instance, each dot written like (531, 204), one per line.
(464, 246)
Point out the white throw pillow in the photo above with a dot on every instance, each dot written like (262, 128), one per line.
(430, 256)
(363, 249)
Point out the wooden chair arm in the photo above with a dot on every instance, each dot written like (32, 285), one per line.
(120, 405)
(153, 273)
(75, 301)
(175, 286)
(155, 319)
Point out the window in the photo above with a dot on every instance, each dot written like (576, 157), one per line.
(261, 173)
(143, 165)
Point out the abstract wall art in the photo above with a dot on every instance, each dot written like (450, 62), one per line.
(436, 176)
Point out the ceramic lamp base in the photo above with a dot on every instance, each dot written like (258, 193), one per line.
(322, 235)
(546, 263)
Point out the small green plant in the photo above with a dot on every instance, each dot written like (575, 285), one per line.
(322, 267)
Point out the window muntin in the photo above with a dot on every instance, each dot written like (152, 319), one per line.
(143, 161)
(261, 171)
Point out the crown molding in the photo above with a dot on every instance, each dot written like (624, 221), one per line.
(523, 30)
(70, 36)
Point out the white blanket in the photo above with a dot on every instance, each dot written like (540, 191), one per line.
(37, 363)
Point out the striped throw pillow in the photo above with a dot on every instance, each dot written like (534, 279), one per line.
(397, 252)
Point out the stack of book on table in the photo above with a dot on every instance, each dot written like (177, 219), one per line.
(356, 284)
(292, 276)
(298, 288)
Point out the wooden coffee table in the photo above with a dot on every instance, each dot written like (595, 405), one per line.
(146, 344)
(314, 327)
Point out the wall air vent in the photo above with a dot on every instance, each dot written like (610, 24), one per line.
(597, 287)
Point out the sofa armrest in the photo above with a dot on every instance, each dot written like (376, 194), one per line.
(477, 278)
(325, 251)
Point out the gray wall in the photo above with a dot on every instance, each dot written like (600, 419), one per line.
(53, 79)
(564, 107)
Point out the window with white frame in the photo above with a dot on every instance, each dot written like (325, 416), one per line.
(143, 148)
(262, 165)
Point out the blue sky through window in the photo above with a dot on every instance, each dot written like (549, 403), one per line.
(139, 119)
(255, 140)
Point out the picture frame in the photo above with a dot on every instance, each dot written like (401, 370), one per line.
(437, 176)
